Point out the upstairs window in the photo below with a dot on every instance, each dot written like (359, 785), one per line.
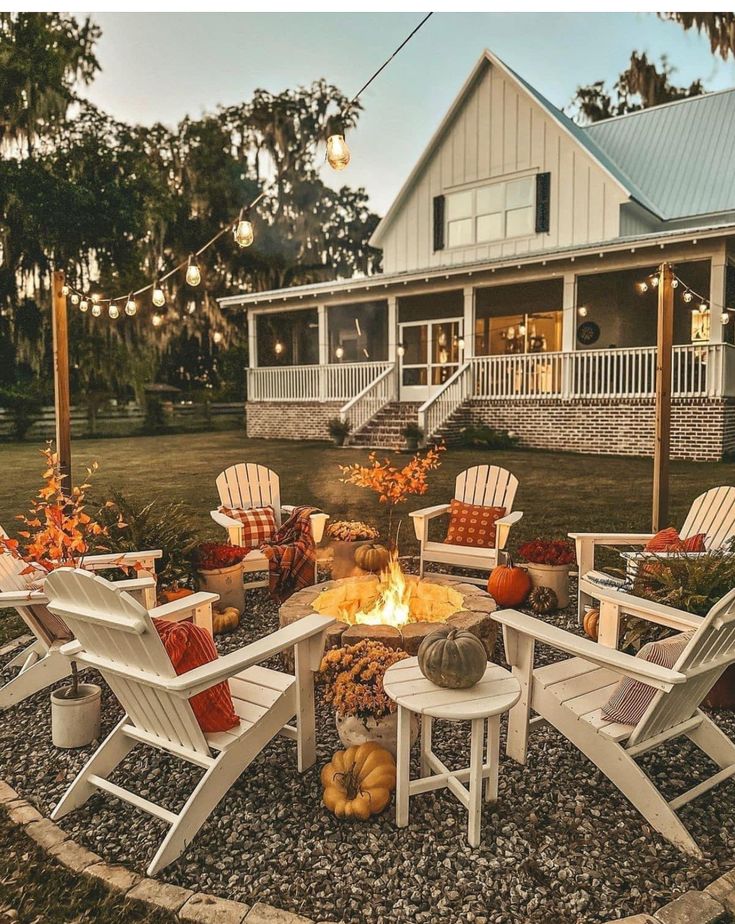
(491, 213)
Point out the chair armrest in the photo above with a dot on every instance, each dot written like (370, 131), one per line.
(421, 519)
(223, 520)
(503, 525)
(120, 560)
(318, 521)
(22, 598)
(653, 675)
(652, 556)
(630, 605)
(133, 585)
(201, 678)
(184, 605)
(612, 538)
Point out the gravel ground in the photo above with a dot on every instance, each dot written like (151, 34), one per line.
(561, 845)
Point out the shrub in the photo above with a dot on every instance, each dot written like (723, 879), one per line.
(547, 552)
(488, 438)
(338, 428)
(412, 431)
(24, 405)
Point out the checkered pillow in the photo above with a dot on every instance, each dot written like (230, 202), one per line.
(472, 524)
(258, 524)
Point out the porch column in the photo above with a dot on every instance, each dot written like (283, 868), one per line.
(323, 334)
(252, 340)
(393, 333)
(468, 326)
(717, 294)
(568, 332)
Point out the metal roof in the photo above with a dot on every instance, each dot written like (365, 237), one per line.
(680, 156)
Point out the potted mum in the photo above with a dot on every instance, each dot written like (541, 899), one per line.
(412, 434)
(219, 568)
(353, 678)
(548, 562)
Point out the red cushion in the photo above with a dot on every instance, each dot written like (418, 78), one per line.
(258, 524)
(665, 540)
(694, 543)
(472, 524)
(189, 646)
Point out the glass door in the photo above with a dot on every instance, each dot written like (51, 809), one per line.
(429, 354)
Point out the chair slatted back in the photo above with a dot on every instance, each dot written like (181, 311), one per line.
(487, 486)
(116, 629)
(43, 624)
(709, 653)
(248, 485)
(712, 513)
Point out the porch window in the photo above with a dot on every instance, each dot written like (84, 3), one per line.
(290, 338)
(491, 213)
(358, 333)
(522, 318)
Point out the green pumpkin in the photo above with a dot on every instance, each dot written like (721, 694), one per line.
(372, 557)
(452, 658)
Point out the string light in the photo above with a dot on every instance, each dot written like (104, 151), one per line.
(65, 290)
(114, 312)
(96, 310)
(95, 297)
(674, 283)
(83, 305)
(158, 296)
(74, 298)
(157, 320)
(130, 306)
(643, 287)
(703, 308)
(193, 273)
(338, 153)
(687, 296)
(243, 231)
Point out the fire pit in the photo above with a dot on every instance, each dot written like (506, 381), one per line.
(397, 609)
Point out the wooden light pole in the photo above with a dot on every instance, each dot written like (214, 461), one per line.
(60, 330)
(662, 447)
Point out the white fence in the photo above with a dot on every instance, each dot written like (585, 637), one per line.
(335, 382)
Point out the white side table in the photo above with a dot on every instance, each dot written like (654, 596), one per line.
(482, 704)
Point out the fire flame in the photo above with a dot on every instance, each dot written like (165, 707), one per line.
(392, 607)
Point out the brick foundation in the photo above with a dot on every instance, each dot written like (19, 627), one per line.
(287, 420)
(701, 428)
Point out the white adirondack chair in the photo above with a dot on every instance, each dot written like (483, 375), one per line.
(569, 695)
(41, 663)
(249, 485)
(712, 513)
(115, 635)
(487, 486)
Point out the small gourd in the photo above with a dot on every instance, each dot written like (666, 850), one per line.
(591, 623)
(226, 620)
(543, 600)
(452, 658)
(508, 584)
(358, 782)
(372, 557)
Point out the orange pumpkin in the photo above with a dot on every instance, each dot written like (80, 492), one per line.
(591, 624)
(509, 585)
(174, 593)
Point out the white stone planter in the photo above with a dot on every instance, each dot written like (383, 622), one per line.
(554, 576)
(353, 730)
(75, 723)
(228, 583)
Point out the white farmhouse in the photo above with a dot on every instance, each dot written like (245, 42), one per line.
(517, 286)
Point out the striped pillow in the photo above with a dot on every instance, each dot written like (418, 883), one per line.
(189, 646)
(258, 524)
(632, 697)
(669, 540)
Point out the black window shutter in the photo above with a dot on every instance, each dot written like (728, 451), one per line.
(438, 223)
(543, 196)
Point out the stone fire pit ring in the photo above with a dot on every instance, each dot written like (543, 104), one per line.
(475, 616)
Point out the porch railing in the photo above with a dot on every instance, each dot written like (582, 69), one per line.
(365, 405)
(439, 408)
(337, 382)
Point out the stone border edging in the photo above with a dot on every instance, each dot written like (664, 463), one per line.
(187, 905)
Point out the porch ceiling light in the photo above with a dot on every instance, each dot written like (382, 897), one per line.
(401, 349)
(339, 352)
(725, 317)
(193, 273)
(278, 348)
(582, 311)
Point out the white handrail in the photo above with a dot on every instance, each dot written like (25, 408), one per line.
(361, 409)
(333, 382)
(434, 412)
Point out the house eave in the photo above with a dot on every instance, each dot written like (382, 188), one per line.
(380, 283)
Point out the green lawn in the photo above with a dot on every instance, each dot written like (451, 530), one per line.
(558, 492)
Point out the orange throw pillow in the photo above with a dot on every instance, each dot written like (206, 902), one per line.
(472, 524)
(189, 646)
(668, 540)
(694, 543)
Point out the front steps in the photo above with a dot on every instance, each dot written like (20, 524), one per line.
(384, 430)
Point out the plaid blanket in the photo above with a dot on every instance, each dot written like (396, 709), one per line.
(291, 555)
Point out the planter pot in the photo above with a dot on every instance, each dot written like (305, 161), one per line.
(722, 694)
(412, 443)
(75, 723)
(339, 440)
(554, 576)
(228, 583)
(353, 730)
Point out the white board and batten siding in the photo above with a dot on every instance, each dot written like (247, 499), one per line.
(499, 130)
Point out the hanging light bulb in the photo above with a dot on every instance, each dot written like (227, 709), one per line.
(114, 312)
(654, 281)
(157, 320)
(130, 306)
(339, 352)
(95, 297)
(158, 296)
(193, 273)
(703, 308)
(674, 283)
(643, 287)
(725, 317)
(338, 154)
(65, 289)
(243, 231)
(278, 348)
(582, 311)
(687, 296)
(74, 298)
(96, 310)
(83, 305)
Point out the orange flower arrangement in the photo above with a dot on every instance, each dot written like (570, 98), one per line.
(354, 679)
(393, 485)
(57, 528)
